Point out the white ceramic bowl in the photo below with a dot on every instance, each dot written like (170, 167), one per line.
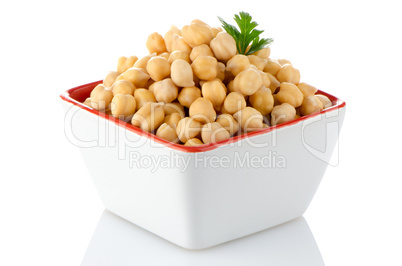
(198, 197)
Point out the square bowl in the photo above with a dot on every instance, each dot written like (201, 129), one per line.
(198, 197)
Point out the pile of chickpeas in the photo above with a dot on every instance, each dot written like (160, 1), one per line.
(194, 88)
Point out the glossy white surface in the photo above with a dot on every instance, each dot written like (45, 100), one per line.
(49, 205)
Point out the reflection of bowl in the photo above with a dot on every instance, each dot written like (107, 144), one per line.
(197, 197)
(117, 242)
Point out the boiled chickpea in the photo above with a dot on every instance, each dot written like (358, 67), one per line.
(262, 100)
(223, 46)
(155, 43)
(311, 104)
(179, 55)
(178, 44)
(220, 71)
(101, 97)
(202, 49)
(123, 87)
(125, 63)
(265, 79)
(306, 89)
(247, 82)
(288, 74)
(274, 82)
(172, 120)
(229, 123)
(123, 106)
(143, 62)
(259, 62)
(205, 67)
(283, 61)
(188, 128)
(165, 55)
(263, 53)
(290, 93)
(143, 96)
(213, 132)
(282, 113)
(182, 73)
(249, 119)
(158, 68)
(169, 37)
(188, 95)
(324, 100)
(215, 91)
(165, 90)
(197, 34)
(110, 78)
(215, 31)
(237, 64)
(175, 107)
(193, 142)
(137, 76)
(272, 67)
(87, 102)
(168, 133)
(149, 117)
(202, 110)
(234, 102)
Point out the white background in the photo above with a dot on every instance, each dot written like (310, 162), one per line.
(351, 49)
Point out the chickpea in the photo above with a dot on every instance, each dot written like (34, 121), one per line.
(149, 117)
(229, 123)
(179, 55)
(311, 104)
(123, 87)
(197, 34)
(165, 90)
(172, 119)
(169, 37)
(143, 62)
(201, 50)
(247, 82)
(249, 119)
(223, 46)
(193, 142)
(168, 133)
(158, 68)
(178, 44)
(213, 132)
(188, 95)
(215, 91)
(237, 64)
(202, 110)
(165, 55)
(259, 62)
(272, 67)
(282, 113)
(216, 30)
(205, 67)
(220, 70)
(110, 78)
(182, 73)
(188, 128)
(234, 102)
(123, 106)
(265, 79)
(326, 102)
(288, 74)
(274, 82)
(290, 93)
(101, 97)
(262, 100)
(175, 107)
(306, 89)
(263, 53)
(87, 102)
(143, 96)
(137, 76)
(155, 43)
(125, 63)
(198, 21)
(283, 61)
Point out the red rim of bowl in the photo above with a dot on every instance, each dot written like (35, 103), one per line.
(78, 94)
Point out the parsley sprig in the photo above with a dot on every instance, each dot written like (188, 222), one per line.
(247, 34)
